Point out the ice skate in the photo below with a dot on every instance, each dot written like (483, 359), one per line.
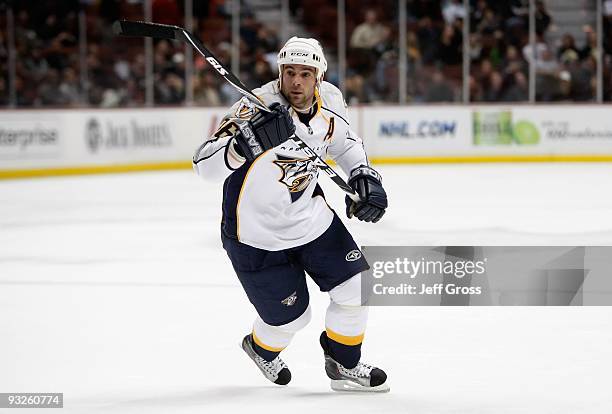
(275, 370)
(362, 378)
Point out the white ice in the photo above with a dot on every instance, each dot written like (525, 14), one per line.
(115, 291)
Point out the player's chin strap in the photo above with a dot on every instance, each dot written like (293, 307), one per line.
(315, 101)
(315, 98)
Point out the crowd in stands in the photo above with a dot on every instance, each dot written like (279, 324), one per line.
(499, 51)
(49, 66)
(501, 54)
(50, 71)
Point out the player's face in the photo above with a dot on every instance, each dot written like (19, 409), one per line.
(298, 85)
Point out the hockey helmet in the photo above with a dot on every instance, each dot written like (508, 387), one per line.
(303, 51)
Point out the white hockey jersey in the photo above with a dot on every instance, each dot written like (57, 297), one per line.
(274, 202)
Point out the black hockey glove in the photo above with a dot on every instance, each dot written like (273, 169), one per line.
(367, 184)
(263, 131)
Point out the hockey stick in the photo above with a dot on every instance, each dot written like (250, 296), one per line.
(164, 31)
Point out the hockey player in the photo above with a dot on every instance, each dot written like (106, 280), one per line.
(276, 224)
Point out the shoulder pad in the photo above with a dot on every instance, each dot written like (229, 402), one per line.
(333, 100)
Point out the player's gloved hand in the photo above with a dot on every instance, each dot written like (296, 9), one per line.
(263, 131)
(367, 183)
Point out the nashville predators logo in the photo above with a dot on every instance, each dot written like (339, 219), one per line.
(297, 172)
(290, 300)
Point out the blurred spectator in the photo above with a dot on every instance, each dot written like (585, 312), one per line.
(547, 77)
(495, 88)
(229, 94)
(369, 34)
(590, 44)
(368, 44)
(513, 62)
(546, 63)
(4, 98)
(262, 73)
(530, 53)
(450, 51)
(170, 89)
(453, 10)
(428, 36)
(475, 90)
(206, 92)
(517, 88)
(248, 31)
(542, 17)
(568, 50)
(519, 8)
(439, 90)
(565, 86)
(413, 48)
(355, 90)
(48, 91)
(69, 87)
(489, 22)
(267, 40)
(582, 74)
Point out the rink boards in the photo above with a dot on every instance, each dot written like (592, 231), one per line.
(53, 142)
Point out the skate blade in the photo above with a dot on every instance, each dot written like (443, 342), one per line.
(350, 386)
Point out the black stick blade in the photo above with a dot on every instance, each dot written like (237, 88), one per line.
(144, 29)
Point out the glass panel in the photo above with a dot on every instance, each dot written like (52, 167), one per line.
(168, 57)
(372, 52)
(566, 64)
(258, 49)
(607, 47)
(4, 69)
(499, 44)
(435, 51)
(259, 44)
(115, 66)
(319, 18)
(212, 24)
(47, 64)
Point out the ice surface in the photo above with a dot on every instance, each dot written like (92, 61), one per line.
(115, 290)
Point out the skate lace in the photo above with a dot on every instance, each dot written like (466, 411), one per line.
(271, 367)
(360, 371)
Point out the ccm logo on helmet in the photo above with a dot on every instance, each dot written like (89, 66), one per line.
(299, 54)
(216, 65)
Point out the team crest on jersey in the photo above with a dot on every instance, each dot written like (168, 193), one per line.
(353, 255)
(246, 109)
(290, 300)
(297, 172)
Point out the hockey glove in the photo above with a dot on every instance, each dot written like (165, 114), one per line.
(263, 131)
(367, 184)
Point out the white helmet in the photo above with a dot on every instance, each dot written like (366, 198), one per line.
(302, 51)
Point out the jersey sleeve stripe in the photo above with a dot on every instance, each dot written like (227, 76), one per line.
(335, 113)
(208, 156)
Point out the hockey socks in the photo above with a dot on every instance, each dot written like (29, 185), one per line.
(347, 355)
(265, 353)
